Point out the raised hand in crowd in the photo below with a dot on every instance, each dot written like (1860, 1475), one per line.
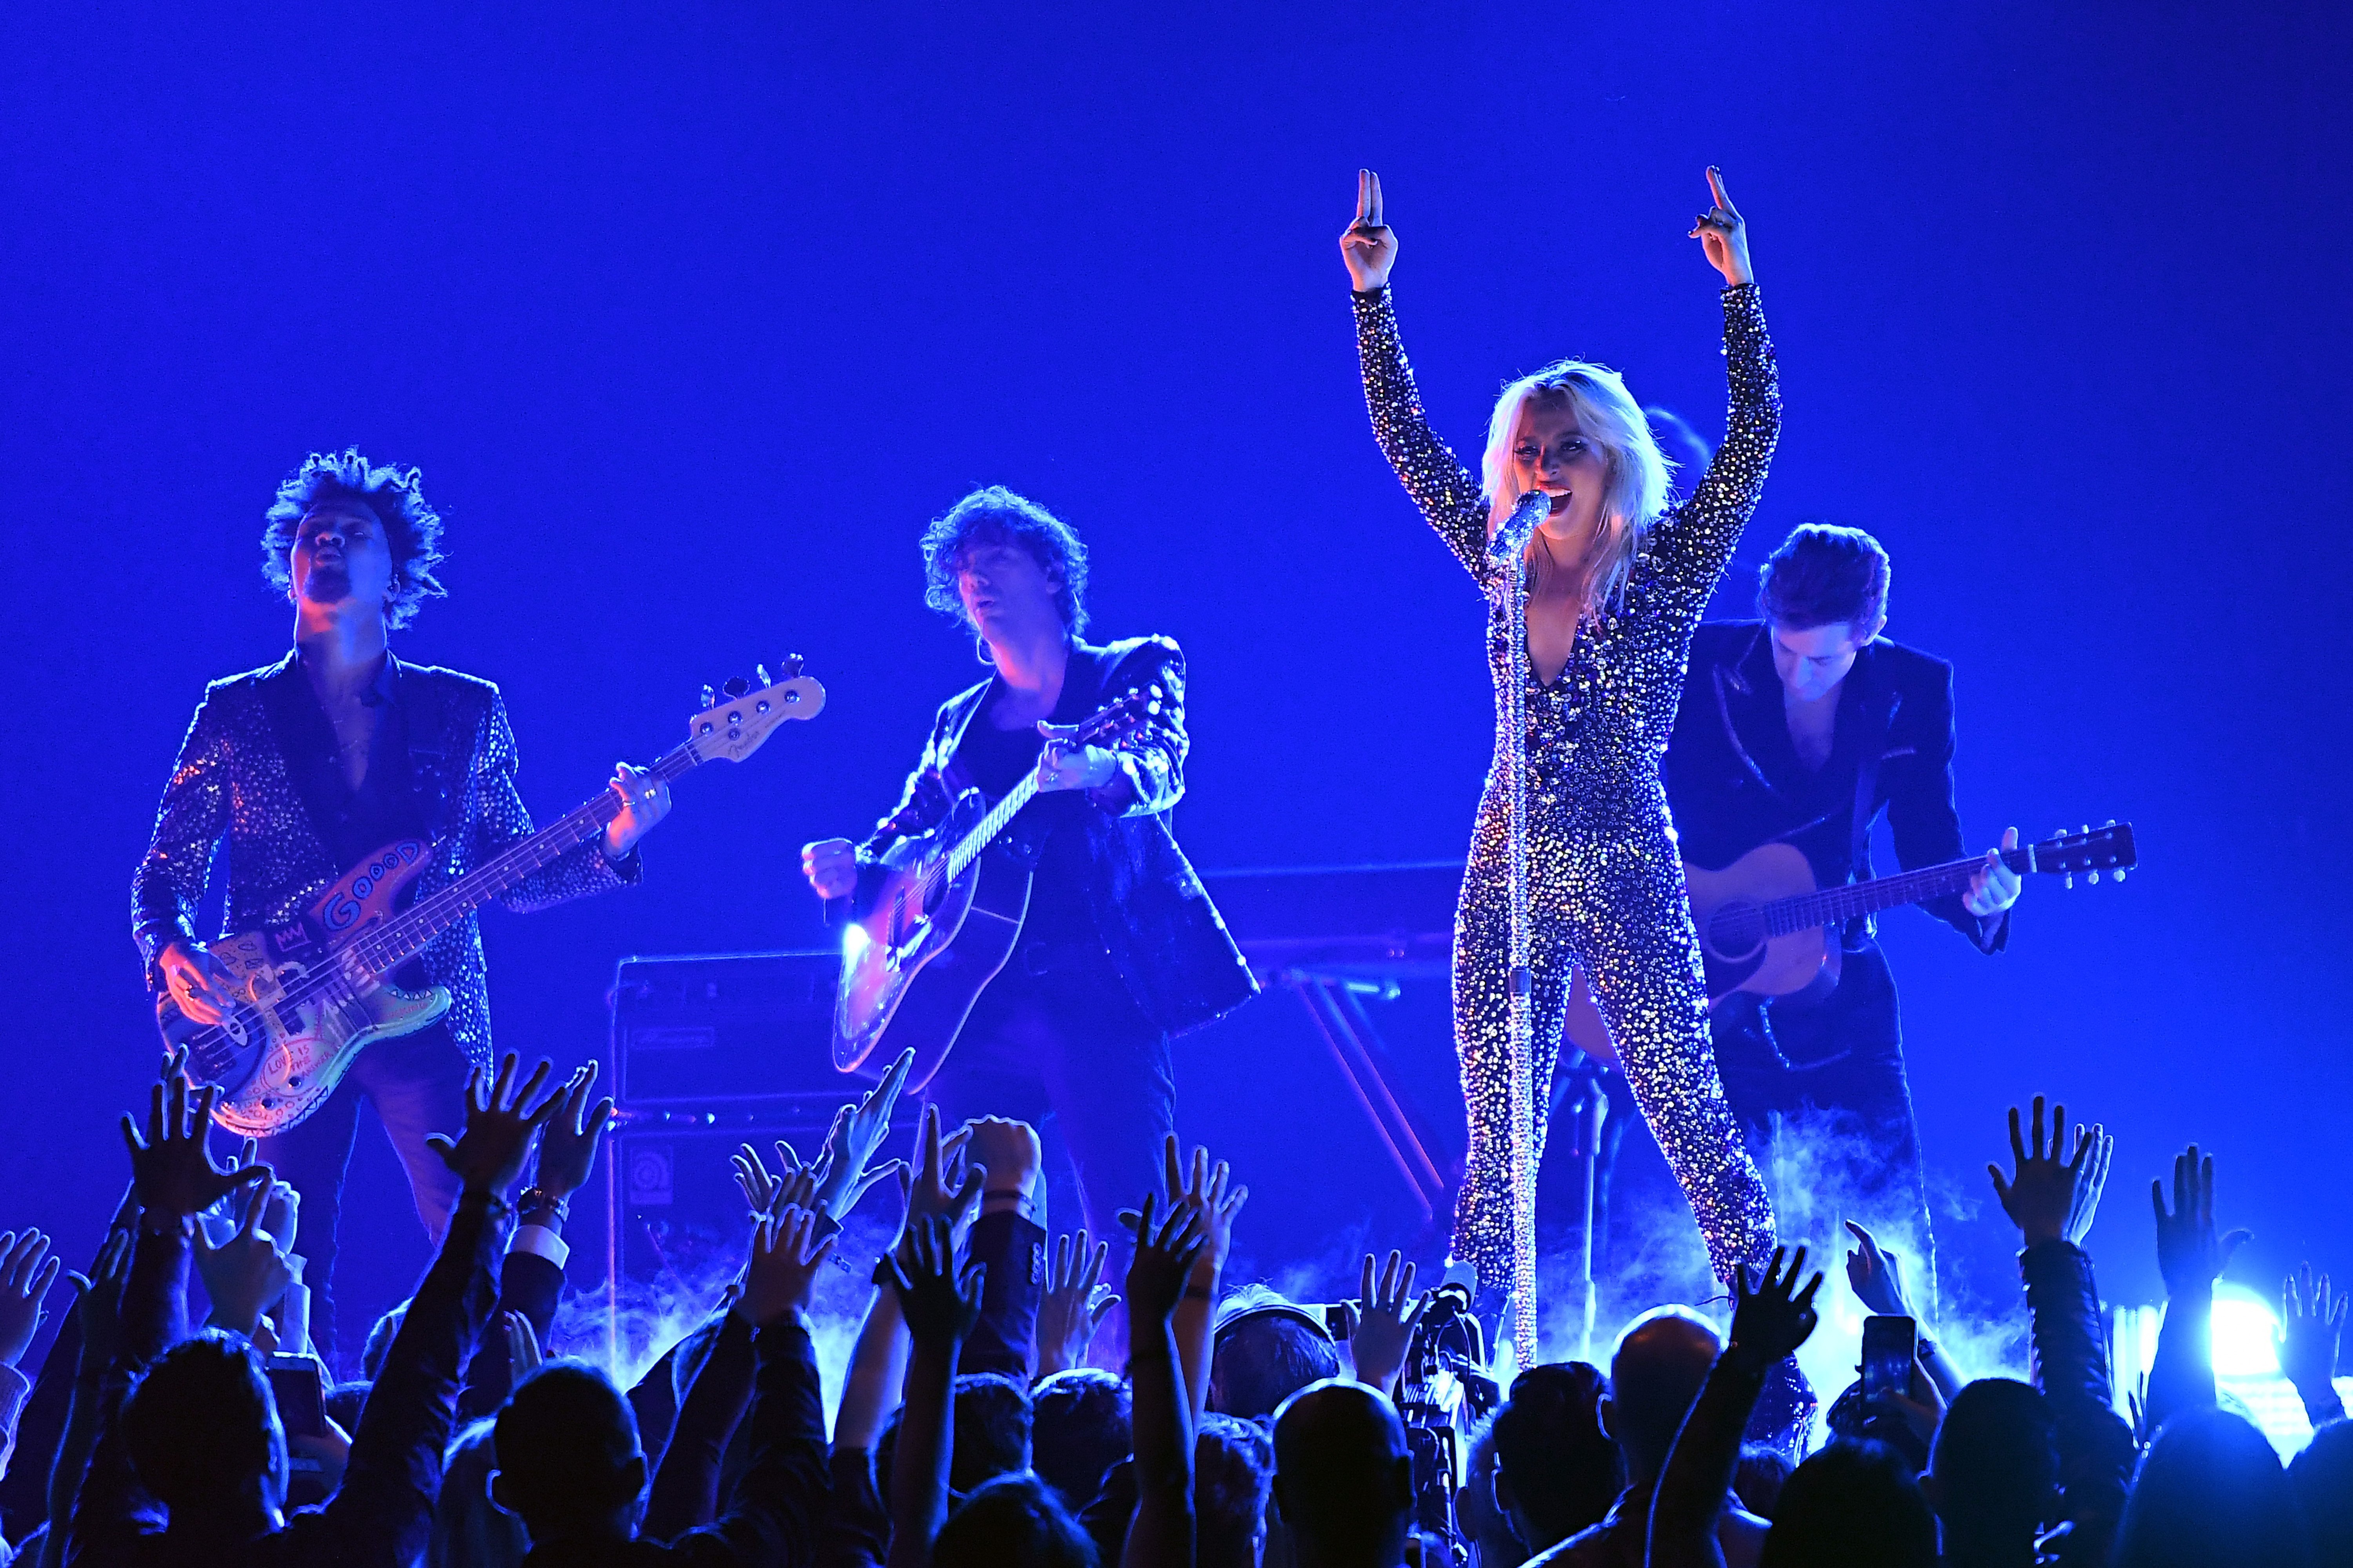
(245, 1274)
(1368, 246)
(795, 1186)
(524, 1355)
(567, 1144)
(1385, 1322)
(171, 1168)
(942, 1183)
(27, 1269)
(1009, 1153)
(2312, 1324)
(1876, 1274)
(1208, 1187)
(1773, 1317)
(281, 1216)
(781, 1278)
(97, 1302)
(98, 1314)
(2053, 1194)
(2190, 1253)
(1159, 1276)
(939, 1309)
(847, 1160)
(1770, 1319)
(1071, 1307)
(500, 1119)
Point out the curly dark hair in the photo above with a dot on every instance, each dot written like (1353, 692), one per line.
(1824, 575)
(994, 515)
(411, 527)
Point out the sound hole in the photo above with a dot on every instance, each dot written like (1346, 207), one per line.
(1736, 930)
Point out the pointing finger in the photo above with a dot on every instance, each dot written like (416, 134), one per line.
(1715, 186)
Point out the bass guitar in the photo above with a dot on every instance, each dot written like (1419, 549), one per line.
(1766, 929)
(944, 921)
(308, 997)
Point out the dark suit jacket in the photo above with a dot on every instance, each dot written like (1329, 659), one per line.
(1163, 934)
(1734, 780)
(232, 780)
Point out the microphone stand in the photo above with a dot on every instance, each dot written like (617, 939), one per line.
(1508, 550)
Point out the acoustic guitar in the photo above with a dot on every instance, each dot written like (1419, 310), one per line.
(309, 996)
(944, 921)
(1766, 929)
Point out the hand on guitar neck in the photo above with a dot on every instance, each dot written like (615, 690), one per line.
(1997, 887)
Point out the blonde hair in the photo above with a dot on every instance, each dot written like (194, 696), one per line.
(1635, 492)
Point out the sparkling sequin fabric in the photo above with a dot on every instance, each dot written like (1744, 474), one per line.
(1605, 887)
(231, 780)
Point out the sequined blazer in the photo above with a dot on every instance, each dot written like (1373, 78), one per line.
(232, 781)
(1165, 937)
(1595, 733)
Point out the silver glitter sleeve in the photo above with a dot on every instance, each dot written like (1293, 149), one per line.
(1446, 492)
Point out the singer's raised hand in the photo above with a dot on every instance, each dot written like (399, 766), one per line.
(1368, 245)
(1723, 233)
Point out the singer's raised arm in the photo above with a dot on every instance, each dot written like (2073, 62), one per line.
(1446, 492)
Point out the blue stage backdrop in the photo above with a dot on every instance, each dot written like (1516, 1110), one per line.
(693, 314)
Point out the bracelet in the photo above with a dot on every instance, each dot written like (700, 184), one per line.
(1018, 1194)
(534, 1198)
(1198, 1293)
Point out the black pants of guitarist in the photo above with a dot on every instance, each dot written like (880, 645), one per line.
(417, 1085)
(1056, 1041)
(1822, 1097)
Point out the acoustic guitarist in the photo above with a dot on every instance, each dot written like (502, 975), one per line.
(1804, 727)
(307, 765)
(1120, 947)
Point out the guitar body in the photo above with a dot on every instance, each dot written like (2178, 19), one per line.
(912, 968)
(1728, 907)
(305, 1006)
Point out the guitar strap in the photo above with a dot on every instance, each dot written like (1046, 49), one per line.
(1876, 710)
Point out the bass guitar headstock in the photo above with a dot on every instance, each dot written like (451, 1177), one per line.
(735, 717)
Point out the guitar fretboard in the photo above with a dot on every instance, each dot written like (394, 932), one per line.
(1830, 905)
(395, 942)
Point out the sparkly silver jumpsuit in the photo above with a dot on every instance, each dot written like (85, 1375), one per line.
(1605, 882)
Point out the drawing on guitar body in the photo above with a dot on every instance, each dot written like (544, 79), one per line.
(1766, 928)
(311, 995)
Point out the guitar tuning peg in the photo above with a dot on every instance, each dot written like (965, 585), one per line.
(2085, 828)
(2095, 878)
(792, 664)
(2068, 881)
(2110, 823)
(762, 671)
(710, 698)
(2115, 875)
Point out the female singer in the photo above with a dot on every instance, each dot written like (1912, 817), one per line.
(1616, 583)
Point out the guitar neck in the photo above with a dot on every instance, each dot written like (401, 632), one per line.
(984, 831)
(1832, 906)
(397, 941)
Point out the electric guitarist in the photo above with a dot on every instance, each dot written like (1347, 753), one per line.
(307, 765)
(1120, 947)
(1804, 727)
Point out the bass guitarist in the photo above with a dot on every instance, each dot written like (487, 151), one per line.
(308, 765)
(1120, 947)
(1804, 727)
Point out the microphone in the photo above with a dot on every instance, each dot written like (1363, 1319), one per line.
(1513, 536)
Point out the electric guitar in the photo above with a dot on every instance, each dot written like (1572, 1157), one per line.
(1767, 930)
(308, 997)
(943, 922)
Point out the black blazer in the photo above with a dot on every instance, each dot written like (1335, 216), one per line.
(1165, 936)
(1734, 780)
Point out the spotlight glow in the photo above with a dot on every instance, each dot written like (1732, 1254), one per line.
(2247, 1333)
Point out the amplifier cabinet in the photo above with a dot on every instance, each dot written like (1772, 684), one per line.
(712, 1030)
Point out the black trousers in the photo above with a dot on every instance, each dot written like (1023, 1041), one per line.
(417, 1085)
(1819, 1092)
(1069, 1052)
